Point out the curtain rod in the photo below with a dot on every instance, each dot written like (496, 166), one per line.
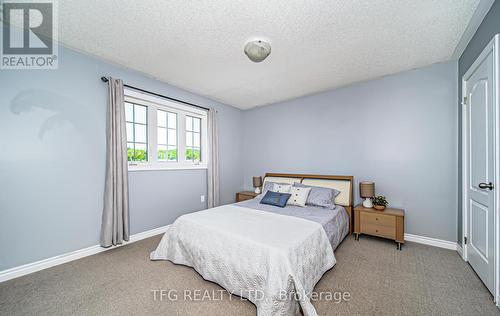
(106, 80)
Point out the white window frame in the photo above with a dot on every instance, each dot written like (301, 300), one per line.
(153, 104)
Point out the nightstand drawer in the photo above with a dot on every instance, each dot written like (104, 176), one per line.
(245, 195)
(378, 219)
(377, 230)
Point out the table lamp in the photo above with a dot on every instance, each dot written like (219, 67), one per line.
(257, 183)
(367, 191)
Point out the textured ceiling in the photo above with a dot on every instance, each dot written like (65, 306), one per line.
(316, 45)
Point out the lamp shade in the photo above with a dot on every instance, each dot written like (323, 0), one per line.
(367, 189)
(257, 182)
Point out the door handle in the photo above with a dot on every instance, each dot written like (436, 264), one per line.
(483, 186)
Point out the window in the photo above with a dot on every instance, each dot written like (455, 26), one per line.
(193, 138)
(136, 117)
(164, 134)
(167, 135)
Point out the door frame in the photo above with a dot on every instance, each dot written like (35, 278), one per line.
(493, 46)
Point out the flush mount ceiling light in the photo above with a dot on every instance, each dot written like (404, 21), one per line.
(257, 50)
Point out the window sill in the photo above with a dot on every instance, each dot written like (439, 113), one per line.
(166, 168)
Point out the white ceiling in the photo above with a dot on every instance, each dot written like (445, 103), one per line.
(316, 45)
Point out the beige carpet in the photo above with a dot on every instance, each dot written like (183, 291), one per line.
(420, 280)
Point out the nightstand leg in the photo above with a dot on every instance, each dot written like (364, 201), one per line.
(399, 246)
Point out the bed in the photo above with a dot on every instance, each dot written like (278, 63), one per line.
(272, 256)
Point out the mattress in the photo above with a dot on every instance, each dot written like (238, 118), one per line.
(335, 222)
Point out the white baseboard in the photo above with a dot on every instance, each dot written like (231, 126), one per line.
(147, 234)
(431, 241)
(460, 250)
(70, 256)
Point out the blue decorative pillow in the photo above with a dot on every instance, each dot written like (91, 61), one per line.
(275, 198)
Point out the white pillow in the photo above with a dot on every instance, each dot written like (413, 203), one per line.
(299, 196)
(282, 188)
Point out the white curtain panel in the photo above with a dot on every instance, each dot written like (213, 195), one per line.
(213, 164)
(115, 227)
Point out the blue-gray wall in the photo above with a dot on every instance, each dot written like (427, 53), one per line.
(399, 131)
(52, 135)
(484, 34)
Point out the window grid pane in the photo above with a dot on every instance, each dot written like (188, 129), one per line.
(140, 132)
(193, 138)
(189, 139)
(193, 153)
(196, 125)
(172, 153)
(162, 136)
(162, 152)
(141, 152)
(129, 112)
(172, 120)
(196, 140)
(167, 136)
(189, 123)
(136, 148)
(140, 114)
(172, 137)
(161, 117)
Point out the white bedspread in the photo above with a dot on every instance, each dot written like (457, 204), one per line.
(259, 255)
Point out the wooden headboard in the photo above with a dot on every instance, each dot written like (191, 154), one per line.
(344, 184)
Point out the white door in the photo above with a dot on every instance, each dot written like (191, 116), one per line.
(479, 100)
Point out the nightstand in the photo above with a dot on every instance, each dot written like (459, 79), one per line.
(388, 223)
(245, 195)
